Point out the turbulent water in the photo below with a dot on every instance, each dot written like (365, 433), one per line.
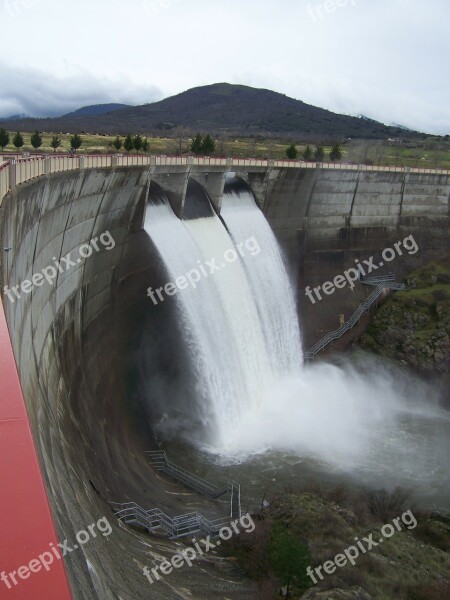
(240, 346)
(253, 391)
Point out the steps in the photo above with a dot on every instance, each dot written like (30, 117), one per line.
(381, 283)
(160, 461)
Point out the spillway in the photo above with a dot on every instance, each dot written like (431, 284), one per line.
(239, 319)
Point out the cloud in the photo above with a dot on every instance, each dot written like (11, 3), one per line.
(36, 93)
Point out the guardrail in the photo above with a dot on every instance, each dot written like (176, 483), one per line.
(17, 171)
(383, 283)
(161, 463)
(155, 520)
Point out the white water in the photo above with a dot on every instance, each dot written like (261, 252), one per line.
(220, 319)
(241, 328)
(270, 283)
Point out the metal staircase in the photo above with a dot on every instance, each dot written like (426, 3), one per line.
(381, 283)
(155, 521)
(160, 461)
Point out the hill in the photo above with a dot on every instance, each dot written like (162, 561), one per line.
(220, 108)
(95, 109)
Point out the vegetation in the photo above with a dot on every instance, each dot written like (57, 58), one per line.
(290, 558)
(4, 138)
(292, 152)
(433, 152)
(336, 152)
(117, 143)
(75, 142)
(128, 143)
(137, 143)
(308, 153)
(203, 145)
(55, 143)
(208, 145)
(145, 145)
(309, 527)
(319, 153)
(36, 140)
(224, 108)
(18, 140)
(412, 326)
(196, 144)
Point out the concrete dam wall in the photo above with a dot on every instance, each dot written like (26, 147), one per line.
(78, 342)
(327, 219)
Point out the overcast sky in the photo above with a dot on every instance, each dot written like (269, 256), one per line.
(386, 59)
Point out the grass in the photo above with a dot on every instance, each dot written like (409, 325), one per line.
(430, 153)
(411, 325)
(410, 564)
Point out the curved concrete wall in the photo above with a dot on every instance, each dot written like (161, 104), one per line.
(326, 219)
(77, 342)
(73, 346)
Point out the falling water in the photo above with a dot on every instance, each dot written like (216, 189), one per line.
(269, 280)
(252, 391)
(238, 346)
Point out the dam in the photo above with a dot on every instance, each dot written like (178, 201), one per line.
(98, 366)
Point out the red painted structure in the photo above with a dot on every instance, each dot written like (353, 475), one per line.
(26, 526)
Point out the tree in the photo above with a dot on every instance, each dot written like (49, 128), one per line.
(319, 153)
(18, 140)
(308, 153)
(76, 141)
(336, 152)
(55, 143)
(36, 140)
(117, 143)
(197, 144)
(4, 138)
(291, 152)
(145, 145)
(128, 143)
(290, 559)
(208, 145)
(138, 141)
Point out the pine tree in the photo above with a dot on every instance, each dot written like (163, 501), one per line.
(208, 145)
(18, 140)
(36, 140)
(4, 138)
(117, 143)
(128, 143)
(145, 145)
(308, 153)
(197, 144)
(138, 143)
(291, 152)
(290, 558)
(336, 152)
(76, 141)
(319, 153)
(55, 143)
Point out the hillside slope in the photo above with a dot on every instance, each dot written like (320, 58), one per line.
(219, 108)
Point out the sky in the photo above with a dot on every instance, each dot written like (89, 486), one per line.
(385, 59)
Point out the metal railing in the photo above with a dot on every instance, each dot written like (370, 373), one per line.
(19, 170)
(160, 461)
(155, 520)
(381, 283)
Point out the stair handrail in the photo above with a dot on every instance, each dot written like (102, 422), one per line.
(381, 282)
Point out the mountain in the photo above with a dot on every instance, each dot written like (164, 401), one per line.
(95, 109)
(219, 108)
(15, 117)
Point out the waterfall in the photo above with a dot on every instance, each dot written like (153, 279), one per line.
(239, 322)
(268, 278)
